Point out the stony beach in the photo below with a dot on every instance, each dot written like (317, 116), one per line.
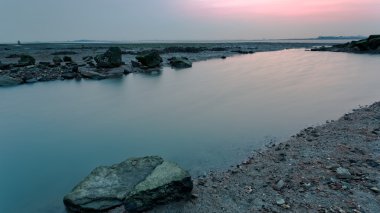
(334, 167)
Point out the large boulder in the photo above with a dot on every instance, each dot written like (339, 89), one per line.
(9, 81)
(110, 59)
(151, 59)
(137, 184)
(180, 62)
(26, 60)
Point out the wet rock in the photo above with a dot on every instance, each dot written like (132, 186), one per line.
(180, 62)
(67, 59)
(110, 59)
(137, 184)
(375, 189)
(92, 75)
(44, 63)
(69, 75)
(343, 173)
(9, 81)
(26, 60)
(150, 60)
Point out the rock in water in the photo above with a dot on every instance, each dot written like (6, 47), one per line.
(92, 75)
(137, 184)
(110, 59)
(26, 60)
(9, 81)
(150, 60)
(180, 62)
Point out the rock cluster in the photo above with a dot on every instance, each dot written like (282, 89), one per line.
(110, 59)
(137, 184)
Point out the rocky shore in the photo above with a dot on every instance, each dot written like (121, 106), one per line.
(30, 63)
(329, 168)
(370, 45)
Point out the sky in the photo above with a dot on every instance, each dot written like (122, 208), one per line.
(139, 20)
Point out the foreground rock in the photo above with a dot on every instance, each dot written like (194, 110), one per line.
(110, 59)
(180, 62)
(369, 45)
(136, 184)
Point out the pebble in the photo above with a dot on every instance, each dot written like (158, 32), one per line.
(375, 189)
(280, 201)
(343, 173)
(279, 185)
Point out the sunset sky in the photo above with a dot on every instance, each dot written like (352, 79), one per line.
(121, 20)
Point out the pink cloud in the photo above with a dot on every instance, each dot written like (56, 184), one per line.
(312, 9)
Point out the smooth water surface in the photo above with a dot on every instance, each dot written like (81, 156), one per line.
(208, 117)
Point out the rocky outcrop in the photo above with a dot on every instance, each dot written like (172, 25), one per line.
(26, 60)
(137, 184)
(110, 59)
(151, 59)
(369, 45)
(9, 81)
(180, 62)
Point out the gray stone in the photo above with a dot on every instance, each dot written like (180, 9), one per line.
(110, 59)
(280, 201)
(343, 173)
(9, 81)
(137, 184)
(279, 185)
(180, 62)
(150, 60)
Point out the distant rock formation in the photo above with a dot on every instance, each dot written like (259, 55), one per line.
(368, 45)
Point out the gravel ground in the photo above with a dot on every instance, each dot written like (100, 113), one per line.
(330, 168)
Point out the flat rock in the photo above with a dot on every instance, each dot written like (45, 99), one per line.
(138, 184)
(92, 75)
(9, 81)
(151, 59)
(180, 62)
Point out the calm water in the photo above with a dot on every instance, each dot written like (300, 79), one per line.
(208, 117)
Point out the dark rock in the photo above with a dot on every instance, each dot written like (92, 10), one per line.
(88, 58)
(57, 60)
(374, 43)
(138, 184)
(223, 57)
(180, 62)
(65, 53)
(67, 59)
(26, 60)
(69, 75)
(5, 66)
(135, 64)
(150, 60)
(110, 59)
(9, 81)
(44, 63)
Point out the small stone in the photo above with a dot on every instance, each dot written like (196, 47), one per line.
(279, 185)
(343, 173)
(280, 201)
(375, 189)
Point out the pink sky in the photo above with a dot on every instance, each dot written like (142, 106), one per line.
(309, 9)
